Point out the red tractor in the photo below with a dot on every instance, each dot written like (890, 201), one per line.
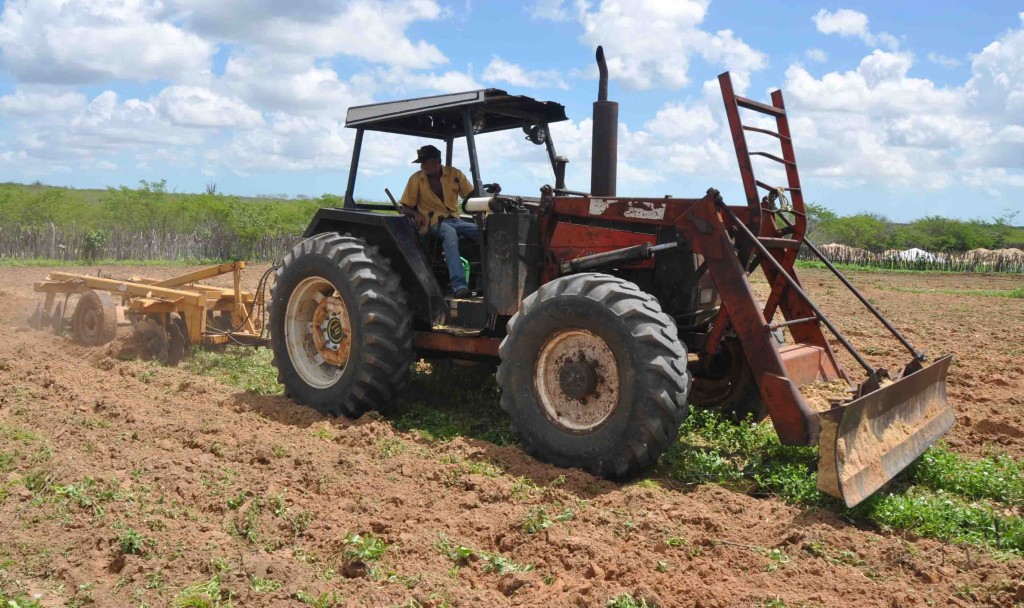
(606, 315)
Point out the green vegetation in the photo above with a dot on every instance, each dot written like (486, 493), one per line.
(93, 214)
(538, 519)
(626, 600)
(17, 601)
(367, 548)
(942, 495)
(489, 562)
(875, 232)
(207, 594)
(248, 368)
(995, 293)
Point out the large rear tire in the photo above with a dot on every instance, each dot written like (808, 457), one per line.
(340, 329)
(594, 376)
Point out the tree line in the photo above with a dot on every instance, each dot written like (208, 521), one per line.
(106, 223)
(876, 232)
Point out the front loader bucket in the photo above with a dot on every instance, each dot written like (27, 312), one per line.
(864, 444)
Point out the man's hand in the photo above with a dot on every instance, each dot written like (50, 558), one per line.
(417, 218)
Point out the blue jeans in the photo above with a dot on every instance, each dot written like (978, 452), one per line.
(450, 229)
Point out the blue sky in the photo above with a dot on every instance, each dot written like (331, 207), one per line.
(900, 108)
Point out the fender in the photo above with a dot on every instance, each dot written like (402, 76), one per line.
(397, 241)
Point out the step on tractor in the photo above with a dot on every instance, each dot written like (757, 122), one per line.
(607, 316)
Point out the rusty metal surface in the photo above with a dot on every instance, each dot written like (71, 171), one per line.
(442, 342)
(806, 364)
(867, 442)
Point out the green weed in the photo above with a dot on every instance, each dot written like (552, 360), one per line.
(537, 519)
(9, 600)
(391, 446)
(263, 585)
(367, 548)
(459, 554)
(626, 600)
(330, 599)
(489, 562)
(207, 594)
(131, 542)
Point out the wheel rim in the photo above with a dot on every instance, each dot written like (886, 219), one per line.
(90, 324)
(317, 332)
(577, 380)
(717, 378)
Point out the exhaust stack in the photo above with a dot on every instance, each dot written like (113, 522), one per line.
(605, 141)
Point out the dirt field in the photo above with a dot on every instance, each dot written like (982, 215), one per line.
(251, 498)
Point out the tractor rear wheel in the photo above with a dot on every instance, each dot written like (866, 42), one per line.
(340, 328)
(593, 375)
(725, 384)
(95, 320)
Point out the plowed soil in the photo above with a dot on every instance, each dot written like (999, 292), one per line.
(259, 494)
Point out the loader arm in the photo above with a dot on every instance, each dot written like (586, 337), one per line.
(864, 441)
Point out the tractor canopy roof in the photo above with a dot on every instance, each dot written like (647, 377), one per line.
(444, 116)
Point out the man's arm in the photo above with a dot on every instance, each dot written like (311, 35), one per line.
(465, 185)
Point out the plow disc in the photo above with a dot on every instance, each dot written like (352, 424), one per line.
(869, 441)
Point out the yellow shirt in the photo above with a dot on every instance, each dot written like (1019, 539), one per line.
(420, 197)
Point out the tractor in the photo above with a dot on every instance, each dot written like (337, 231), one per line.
(607, 316)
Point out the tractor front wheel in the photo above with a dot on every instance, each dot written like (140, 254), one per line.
(593, 375)
(340, 328)
(724, 383)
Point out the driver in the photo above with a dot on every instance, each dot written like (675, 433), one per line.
(431, 199)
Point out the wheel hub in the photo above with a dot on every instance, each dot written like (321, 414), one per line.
(330, 330)
(577, 380)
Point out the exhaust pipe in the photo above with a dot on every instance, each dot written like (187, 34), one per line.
(605, 141)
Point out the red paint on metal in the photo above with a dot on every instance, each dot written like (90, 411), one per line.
(442, 342)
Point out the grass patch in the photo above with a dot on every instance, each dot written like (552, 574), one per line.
(942, 495)
(207, 594)
(244, 367)
(995, 293)
(433, 410)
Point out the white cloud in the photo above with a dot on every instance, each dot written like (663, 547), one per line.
(499, 70)
(844, 22)
(287, 143)
(61, 42)
(399, 82)
(943, 60)
(200, 107)
(849, 23)
(817, 55)
(289, 84)
(373, 30)
(552, 10)
(650, 43)
(37, 101)
(996, 87)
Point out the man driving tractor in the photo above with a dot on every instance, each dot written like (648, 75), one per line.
(431, 200)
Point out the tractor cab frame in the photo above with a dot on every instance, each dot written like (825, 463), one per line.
(449, 117)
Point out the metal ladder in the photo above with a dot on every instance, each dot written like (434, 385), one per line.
(778, 246)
